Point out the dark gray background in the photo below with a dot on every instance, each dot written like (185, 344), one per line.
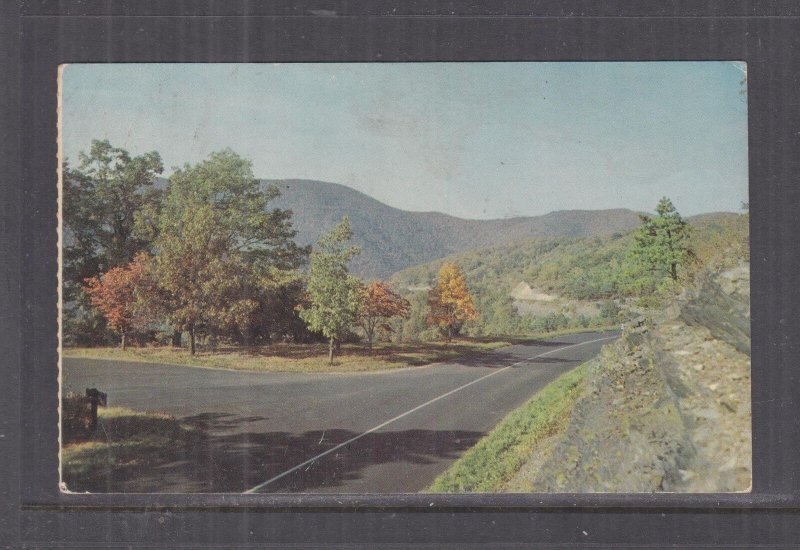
(764, 34)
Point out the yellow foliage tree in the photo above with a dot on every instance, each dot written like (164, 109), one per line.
(450, 304)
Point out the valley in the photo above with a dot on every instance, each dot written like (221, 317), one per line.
(392, 239)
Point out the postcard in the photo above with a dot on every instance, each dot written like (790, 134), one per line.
(382, 278)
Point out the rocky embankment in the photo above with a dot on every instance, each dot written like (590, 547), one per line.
(667, 406)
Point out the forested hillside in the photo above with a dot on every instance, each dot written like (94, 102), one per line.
(392, 239)
(224, 257)
(582, 268)
(578, 281)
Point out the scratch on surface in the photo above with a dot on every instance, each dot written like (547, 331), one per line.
(773, 400)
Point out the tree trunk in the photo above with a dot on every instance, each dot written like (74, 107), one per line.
(673, 271)
(191, 340)
(330, 351)
(369, 341)
(176, 338)
(123, 341)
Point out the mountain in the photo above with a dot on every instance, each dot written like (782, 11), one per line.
(392, 239)
(580, 268)
(519, 287)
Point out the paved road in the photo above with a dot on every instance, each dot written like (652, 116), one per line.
(382, 432)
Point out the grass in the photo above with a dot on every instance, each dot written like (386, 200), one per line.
(125, 444)
(494, 460)
(302, 357)
(314, 357)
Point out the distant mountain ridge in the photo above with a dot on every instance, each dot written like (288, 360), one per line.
(392, 239)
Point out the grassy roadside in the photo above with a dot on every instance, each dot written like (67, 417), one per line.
(302, 357)
(314, 357)
(494, 460)
(126, 444)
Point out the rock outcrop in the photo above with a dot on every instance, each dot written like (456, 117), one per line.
(667, 406)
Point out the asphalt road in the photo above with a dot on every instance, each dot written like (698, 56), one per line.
(380, 432)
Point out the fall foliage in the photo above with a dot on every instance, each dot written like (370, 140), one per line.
(201, 284)
(104, 198)
(105, 195)
(378, 304)
(114, 293)
(450, 304)
(219, 251)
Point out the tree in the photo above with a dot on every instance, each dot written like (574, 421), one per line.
(416, 326)
(219, 249)
(114, 294)
(661, 243)
(449, 302)
(277, 316)
(103, 199)
(379, 303)
(200, 283)
(333, 294)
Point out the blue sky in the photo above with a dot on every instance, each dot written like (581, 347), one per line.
(476, 140)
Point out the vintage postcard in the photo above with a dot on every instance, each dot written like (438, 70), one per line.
(392, 278)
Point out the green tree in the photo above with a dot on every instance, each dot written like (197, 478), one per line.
(103, 199)
(661, 243)
(219, 250)
(334, 295)
(610, 310)
(104, 196)
(277, 317)
(416, 327)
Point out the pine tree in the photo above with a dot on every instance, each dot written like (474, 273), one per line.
(660, 250)
(661, 243)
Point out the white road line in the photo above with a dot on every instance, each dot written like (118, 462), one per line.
(415, 409)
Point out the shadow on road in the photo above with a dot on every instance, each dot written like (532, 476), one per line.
(226, 462)
(494, 359)
(544, 343)
(499, 359)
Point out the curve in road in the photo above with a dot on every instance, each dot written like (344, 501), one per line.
(317, 432)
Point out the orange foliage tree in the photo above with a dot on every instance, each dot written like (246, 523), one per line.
(450, 304)
(379, 303)
(114, 293)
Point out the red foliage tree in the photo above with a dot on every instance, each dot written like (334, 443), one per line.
(114, 293)
(379, 303)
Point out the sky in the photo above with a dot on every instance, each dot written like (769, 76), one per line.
(475, 140)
